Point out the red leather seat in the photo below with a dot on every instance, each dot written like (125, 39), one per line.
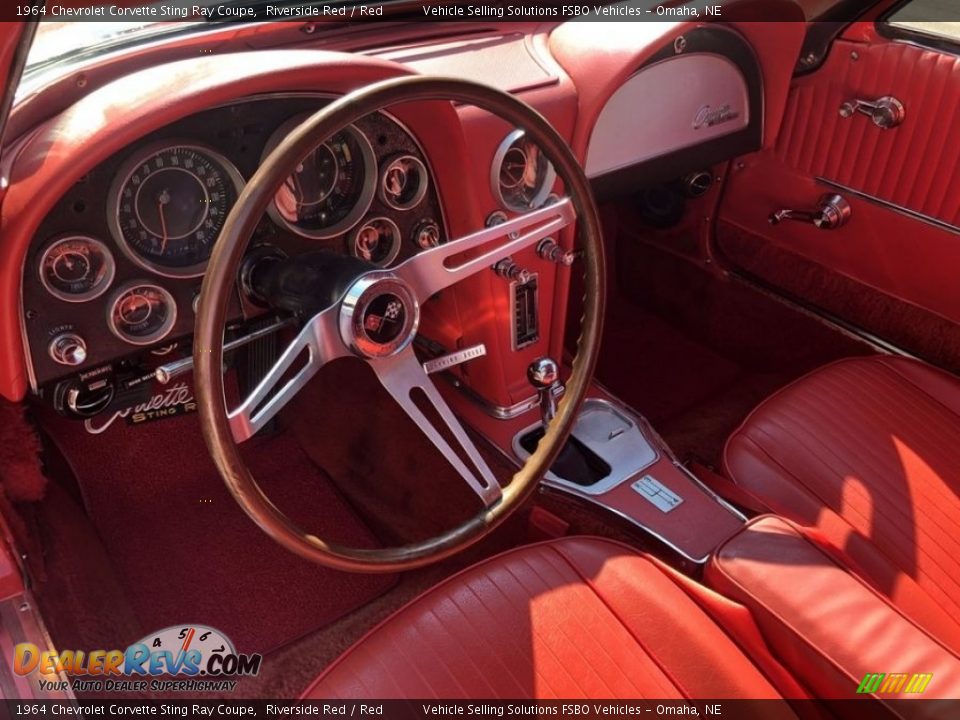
(572, 618)
(867, 452)
(828, 625)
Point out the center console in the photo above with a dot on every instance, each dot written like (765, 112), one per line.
(614, 461)
(615, 464)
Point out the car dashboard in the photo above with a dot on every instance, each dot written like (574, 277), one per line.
(117, 264)
(117, 198)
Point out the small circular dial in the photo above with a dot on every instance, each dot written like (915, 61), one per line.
(521, 177)
(76, 268)
(377, 241)
(169, 204)
(330, 189)
(403, 183)
(142, 313)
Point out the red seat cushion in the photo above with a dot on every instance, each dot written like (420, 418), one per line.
(572, 618)
(868, 452)
(826, 624)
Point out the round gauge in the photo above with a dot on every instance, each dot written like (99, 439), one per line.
(377, 241)
(141, 313)
(168, 204)
(521, 176)
(403, 183)
(76, 268)
(330, 189)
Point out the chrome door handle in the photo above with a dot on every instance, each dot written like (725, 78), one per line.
(832, 211)
(886, 112)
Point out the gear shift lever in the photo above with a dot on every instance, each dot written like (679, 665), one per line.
(544, 375)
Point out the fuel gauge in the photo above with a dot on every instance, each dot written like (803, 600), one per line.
(76, 268)
(142, 313)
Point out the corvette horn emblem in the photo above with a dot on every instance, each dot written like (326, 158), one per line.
(374, 322)
(384, 319)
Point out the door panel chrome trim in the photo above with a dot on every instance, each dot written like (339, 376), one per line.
(913, 214)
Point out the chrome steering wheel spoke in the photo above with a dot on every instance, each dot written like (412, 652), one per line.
(428, 272)
(320, 340)
(402, 375)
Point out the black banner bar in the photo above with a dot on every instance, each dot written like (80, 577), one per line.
(219, 11)
(865, 709)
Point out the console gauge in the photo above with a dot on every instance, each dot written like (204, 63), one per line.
(377, 241)
(404, 182)
(168, 204)
(76, 268)
(521, 177)
(141, 313)
(330, 189)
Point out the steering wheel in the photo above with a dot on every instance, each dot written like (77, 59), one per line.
(362, 296)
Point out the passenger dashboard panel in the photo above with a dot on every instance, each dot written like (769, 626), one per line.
(115, 268)
(696, 102)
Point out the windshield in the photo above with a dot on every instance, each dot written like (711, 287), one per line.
(60, 41)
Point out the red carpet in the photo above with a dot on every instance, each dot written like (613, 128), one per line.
(184, 550)
(654, 367)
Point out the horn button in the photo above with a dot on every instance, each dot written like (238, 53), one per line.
(379, 316)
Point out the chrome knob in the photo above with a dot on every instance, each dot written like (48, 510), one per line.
(427, 234)
(549, 250)
(509, 270)
(68, 349)
(544, 375)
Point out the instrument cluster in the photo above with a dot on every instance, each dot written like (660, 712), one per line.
(116, 267)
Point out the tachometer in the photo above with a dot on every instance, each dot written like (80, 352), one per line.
(330, 189)
(76, 268)
(168, 204)
(141, 313)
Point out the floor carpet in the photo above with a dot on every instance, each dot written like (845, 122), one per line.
(656, 368)
(184, 551)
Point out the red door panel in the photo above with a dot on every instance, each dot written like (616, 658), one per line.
(901, 247)
(916, 165)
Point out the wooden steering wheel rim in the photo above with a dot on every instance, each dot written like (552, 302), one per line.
(220, 279)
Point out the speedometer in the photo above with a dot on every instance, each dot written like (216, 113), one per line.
(330, 189)
(168, 205)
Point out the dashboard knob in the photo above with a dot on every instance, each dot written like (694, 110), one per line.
(68, 349)
(427, 234)
(509, 270)
(549, 250)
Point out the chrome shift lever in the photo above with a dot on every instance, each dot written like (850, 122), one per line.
(544, 375)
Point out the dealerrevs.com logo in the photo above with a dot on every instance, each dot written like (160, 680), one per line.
(185, 658)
